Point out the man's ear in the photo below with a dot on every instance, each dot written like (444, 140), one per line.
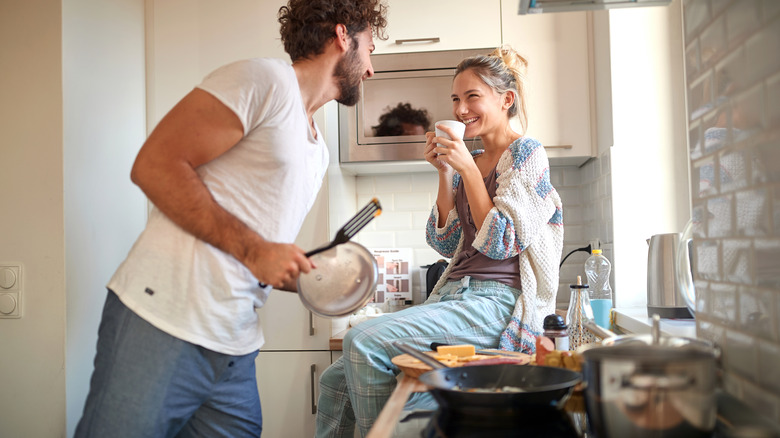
(342, 37)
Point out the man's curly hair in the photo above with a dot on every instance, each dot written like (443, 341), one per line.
(306, 25)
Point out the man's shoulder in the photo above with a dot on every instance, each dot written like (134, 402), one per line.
(256, 66)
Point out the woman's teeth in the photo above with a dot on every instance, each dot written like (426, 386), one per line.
(470, 121)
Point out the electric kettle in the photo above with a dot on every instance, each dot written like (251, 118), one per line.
(664, 295)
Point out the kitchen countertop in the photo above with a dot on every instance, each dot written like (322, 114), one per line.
(335, 341)
(635, 320)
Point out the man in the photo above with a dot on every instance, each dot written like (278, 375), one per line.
(232, 171)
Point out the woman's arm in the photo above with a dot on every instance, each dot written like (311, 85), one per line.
(525, 201)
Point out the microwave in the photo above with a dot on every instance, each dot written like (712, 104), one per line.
(376, 130)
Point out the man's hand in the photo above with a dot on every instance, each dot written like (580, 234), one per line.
(278, 264)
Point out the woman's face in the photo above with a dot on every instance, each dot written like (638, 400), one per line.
(477, 105)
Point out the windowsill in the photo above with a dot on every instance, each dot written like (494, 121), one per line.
(635, 320)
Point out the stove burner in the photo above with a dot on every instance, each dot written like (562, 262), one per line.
(533, 422)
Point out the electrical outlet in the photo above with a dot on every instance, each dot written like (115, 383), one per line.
(10, 291)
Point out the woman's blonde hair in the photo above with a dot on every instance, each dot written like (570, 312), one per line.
(503, 70)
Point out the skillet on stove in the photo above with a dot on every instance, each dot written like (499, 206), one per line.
(496, 388)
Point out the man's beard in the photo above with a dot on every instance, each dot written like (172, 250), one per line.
(349, 77)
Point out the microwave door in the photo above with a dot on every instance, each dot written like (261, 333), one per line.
(419, 91)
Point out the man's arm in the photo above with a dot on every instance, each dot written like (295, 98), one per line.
(197, 130)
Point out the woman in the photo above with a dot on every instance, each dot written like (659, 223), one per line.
(499, 219)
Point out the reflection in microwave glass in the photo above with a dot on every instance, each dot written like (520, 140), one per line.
(403, 119)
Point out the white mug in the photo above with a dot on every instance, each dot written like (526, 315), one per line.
(457, 127)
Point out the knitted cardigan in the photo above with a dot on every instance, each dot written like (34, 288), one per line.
(527, 219)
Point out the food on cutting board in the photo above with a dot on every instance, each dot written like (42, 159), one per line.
(546, 354)
(457, 350)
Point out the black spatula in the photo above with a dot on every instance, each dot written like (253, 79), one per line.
(360, 220)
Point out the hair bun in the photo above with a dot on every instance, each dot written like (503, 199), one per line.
(513, 61)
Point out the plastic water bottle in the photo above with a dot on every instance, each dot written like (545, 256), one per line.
(597, 269)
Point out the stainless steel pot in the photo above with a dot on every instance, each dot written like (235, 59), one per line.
(641, 386)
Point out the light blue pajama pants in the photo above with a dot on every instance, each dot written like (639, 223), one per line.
(355, 388)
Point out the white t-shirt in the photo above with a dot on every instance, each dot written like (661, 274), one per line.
(269, 180)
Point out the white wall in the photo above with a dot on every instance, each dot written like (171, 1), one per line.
(103, 114)
(32, 358)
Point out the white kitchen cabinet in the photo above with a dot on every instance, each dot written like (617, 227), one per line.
(433, 25)
(558, 49)
(188, 39)
(288, 385)
(287, 325)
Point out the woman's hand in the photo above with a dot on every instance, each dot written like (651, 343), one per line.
(431, 155)
(453, 153)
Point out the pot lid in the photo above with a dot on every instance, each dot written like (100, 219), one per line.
(343, 282)
(643, 347)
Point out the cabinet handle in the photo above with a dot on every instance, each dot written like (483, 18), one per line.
(311, 323)
(561, 146)
(419, 40)
(313, 405)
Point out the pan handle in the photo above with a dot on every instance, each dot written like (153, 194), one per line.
(422, 357)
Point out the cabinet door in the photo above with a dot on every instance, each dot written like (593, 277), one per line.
(287, 325)
(558, 88)
(458, 24)
(188, 39)
(289, 388)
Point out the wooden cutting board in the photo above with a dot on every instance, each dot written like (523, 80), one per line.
(414, 368)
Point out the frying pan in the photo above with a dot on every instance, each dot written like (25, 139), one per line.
(478, 388)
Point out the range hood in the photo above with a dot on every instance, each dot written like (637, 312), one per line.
(540, 6)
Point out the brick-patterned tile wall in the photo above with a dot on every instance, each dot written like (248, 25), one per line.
(732, 50)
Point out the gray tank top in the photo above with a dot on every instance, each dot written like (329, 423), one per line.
(472, 262)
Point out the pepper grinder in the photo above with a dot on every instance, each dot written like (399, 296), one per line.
(579, 312)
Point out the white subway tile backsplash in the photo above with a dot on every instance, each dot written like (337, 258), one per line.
(720, 220)
(714, 36)
(365, 185)
(706, 260)
(393, 183)
(764, 402)
(767, 255)
(570, 176)
(773, 96)
(420, 219)
(742, 18)
(706, 329)
(569, 195)
(734, 173)
(767, 40)
(413, 201)
(741, 354)
(394, 221)
(736, 261)
(425, 181)
(755, 313)
(768, 359)
(696, 15)
(376, 239)
(572, 215)
(410, 239)
(771, 8)
(753, 215)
